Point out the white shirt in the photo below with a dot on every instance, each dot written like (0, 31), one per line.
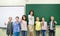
(30, 20)
(51, 25)
(23, 25)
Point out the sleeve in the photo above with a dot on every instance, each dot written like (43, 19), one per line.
(13, 25)
(49, 25)
(55, 22)
(20, 25)
(35, 24)
(28, 17)
(7, 29)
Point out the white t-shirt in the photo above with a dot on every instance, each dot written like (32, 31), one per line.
(23, 25)
(30, 20)
(51, 27)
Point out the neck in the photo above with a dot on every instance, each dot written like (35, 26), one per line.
(17, 21)
(37, 21)
(30, 14)
(9, 21)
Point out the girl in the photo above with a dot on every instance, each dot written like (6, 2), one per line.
(16, 27)
(31, 22)
(24, 26)
(37, 26)
(44, 26)
(9, 27)
(52, 26)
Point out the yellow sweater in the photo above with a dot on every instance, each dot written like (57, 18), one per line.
(37, 25)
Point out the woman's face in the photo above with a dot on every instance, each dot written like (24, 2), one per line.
(52, 18)
(31, 13)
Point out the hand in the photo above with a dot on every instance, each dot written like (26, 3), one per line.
(4, 23)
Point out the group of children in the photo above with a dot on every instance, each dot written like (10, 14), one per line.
(14, 28)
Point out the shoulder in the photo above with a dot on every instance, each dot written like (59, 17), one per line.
(55, 22)
(28, 15)
(14, 22)
(45, 22)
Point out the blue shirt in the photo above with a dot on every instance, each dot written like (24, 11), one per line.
(16, 27)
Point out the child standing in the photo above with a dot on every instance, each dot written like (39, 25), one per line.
(44, 26)
(24, 26)
(37, 26)
(9, 27)
(16, 27)
(51, 25)
(31, 22)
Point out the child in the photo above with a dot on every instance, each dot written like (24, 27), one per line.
(44, 26)
(16, 27)
(52, 26)
(37, 26)
(31, 22)
(9, 27)
(24, 26)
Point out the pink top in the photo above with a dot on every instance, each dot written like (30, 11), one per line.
(44, 27)
(23, 25)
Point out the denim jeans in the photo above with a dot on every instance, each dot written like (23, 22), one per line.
(51, 33)
(43, 32)
(24, 33)
(16, 33)
(37, 33)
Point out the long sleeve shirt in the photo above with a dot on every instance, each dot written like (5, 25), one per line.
(16, 27)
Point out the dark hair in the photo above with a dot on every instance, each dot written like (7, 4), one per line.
(31, 11)
(24, 16)
(17, 17)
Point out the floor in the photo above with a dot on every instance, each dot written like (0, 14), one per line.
(3, 32)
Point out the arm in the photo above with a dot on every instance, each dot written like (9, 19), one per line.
(34, 25)
(47, 25)
(55, 22)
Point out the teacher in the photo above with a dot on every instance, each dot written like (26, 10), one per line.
(31, 22)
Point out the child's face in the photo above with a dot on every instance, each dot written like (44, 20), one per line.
(52, 18)
(43, 19)
(31, 13)
(24, 17)
(37, 18)
(17, 19)
(10, 18)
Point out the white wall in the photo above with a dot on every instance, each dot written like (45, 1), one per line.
(23, 2)
(11, 2)
(43, 2)
(6, 12)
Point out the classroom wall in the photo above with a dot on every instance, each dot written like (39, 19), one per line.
(43, 2)
(11, 2)
(23, 2)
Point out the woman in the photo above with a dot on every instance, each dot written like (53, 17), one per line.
(31, 22)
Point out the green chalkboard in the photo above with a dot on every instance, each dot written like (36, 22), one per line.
(45, 10)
